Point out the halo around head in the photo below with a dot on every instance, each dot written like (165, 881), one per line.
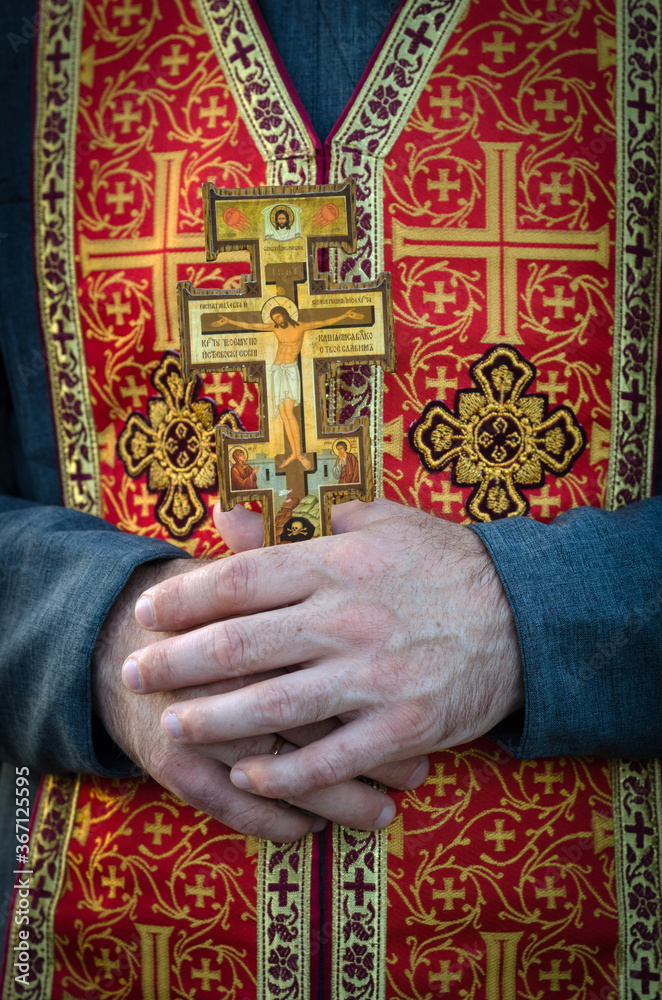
(282, 301)
(277, 210)
(242, 451)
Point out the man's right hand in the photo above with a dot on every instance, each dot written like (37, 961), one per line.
(200, 775)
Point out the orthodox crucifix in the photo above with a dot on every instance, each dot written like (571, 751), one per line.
(288, 329)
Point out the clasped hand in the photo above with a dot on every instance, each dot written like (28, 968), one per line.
(394, 635)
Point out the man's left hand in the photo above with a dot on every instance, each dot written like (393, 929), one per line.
(397, 624)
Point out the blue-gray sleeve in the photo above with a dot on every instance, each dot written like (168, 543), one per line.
(586, 595)
(60, 571)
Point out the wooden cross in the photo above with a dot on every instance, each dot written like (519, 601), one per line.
(288, 329)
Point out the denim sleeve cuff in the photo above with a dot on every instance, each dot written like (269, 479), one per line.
(60, 572)
(586, 596)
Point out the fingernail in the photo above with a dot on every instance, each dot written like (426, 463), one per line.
(386, 816)
(145, 611)
(418, 776)
(240, 780)
(131, 675)
(172, 726)
(318, 825)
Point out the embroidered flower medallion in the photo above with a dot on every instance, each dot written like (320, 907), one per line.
(175, 445)
(498, 440)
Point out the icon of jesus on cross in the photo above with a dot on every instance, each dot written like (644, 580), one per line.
(286, 381)
(290, 330)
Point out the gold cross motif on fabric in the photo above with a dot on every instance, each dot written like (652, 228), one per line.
(499, 439)
(288, 329)
(500, 242)
(159, 253)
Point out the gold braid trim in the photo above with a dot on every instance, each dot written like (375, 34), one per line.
(283, 907)
(49, 841)
(246, 59)
(57, 74)
(637, 785)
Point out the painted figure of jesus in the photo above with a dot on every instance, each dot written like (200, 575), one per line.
(286, 379)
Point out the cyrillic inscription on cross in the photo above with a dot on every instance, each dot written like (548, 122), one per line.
(288, 329)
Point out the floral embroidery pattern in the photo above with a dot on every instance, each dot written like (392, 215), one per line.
(249, 69)
(284, 886)
(498, 440)
(638, 266)
(368, 132)
(359, 914)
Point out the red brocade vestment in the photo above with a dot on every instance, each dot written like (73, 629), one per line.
(501, 164)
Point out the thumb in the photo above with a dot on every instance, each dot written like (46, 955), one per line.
(240, 529)
(356, 514)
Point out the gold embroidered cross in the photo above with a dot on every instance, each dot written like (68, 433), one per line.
(550, 894)
(448, 893)
(205, 974)
(199, 891)
(501, 242)
(106, 963)
(445, 977)
(554, 976)
(158, 829)
(499, 439)
(112, 881)
(288, 329)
